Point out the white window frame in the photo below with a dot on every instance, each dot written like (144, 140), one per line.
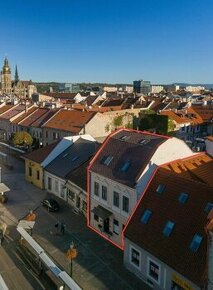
(157, 264)
(130, 257)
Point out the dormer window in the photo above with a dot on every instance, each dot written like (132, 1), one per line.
(196, 241)
(183, 197)
(168, 228)
(126, 166)
(107, 160)
(144, 141)
(124, 138)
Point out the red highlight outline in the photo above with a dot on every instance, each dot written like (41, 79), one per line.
(142, 194)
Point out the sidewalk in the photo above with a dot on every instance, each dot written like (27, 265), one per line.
(98, 266)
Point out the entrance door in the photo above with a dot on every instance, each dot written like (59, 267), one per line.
(106, 225)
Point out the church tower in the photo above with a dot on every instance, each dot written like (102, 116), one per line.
(6, 84)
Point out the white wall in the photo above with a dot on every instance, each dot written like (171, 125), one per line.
(209, 147)
(59, 190)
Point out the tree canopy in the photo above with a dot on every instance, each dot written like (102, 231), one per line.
(22, 139)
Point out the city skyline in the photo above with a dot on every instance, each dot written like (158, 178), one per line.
(108, 42)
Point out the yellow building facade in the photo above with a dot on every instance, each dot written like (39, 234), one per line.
(34, 173)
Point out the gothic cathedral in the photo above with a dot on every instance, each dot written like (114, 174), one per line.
(6, 82)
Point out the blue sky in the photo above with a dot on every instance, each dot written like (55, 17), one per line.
(118, 41)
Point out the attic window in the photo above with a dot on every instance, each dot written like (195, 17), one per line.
(144, 141)
(126, 166)
(146, 216)
(75, 158)
(168, 228)
(183, 197)
(196, 241)
(124, 138)
(208, 207)
(160, 188)
(107, 160)
(65, 155)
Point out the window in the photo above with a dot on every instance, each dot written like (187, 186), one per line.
(144, 141)
(208, 207)
(153, 270)
(56, 186)
(38, 174)
(46, 134)
(49, 183)
(146, 216)
(96, 218)
(196, 241)
(135, 257)
(84, 206)
(96, 186)
(75, 158)
(183, 197)
(71, 194)
(107, 160)
(160, 188)
(126, 166)
(104, 192)
(30, 171)
(116, 227)
(168, 228)
(116, 199)
(125, 204)
(124, 138)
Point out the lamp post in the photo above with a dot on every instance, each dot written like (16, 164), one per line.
(71, 254)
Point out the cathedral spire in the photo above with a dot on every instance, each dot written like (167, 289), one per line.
(16, 75)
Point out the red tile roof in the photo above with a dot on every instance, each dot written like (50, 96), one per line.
(40, 154)
(23, 116)
(13, 112)
(70, 120)
(35, 116)
(190, 218)
(5, 108)
(44, 118)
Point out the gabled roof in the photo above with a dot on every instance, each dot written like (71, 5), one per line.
(23, 116)
(124, 147)
(198, 168)
(71, 158)
(5, 108)
(176, 117)
(13, 112)
(70, 120)
(61, 95)
(34, 117)
(189, 219)
(40, 154)
(44, 118)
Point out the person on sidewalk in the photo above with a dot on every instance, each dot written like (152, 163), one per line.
(63, 228)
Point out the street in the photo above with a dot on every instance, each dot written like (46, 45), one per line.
(98, 264)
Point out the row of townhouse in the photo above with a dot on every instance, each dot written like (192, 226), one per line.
(148, 194)
(48, 125)
(60, 168)
(155, 213)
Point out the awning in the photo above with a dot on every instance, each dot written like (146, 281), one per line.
(101, 212)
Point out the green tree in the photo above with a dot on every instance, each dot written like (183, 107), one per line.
(22, 139)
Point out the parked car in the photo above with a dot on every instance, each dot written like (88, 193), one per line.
(3, 198)
(50, 204)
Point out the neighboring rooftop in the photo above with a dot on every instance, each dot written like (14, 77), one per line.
(13, 112)
(24, 115)
(34, 117)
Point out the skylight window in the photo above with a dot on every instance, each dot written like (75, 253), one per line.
(168, 228)
(208, 207)
(65, 155)
(146, 216)
(160, 188)
(183, 197)
(126, 166)
(144, 141)
(196, 241)
(75, 158)
(107, 160)
(124, 138)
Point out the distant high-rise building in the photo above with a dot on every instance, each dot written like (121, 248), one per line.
(142, 87)
(69, 88)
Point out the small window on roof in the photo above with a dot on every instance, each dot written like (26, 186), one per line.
(146, 216)
(75, 158)
(126, 166)
(124, 138)
(196, 241)
(144, 141)
(183, 197)
(208, 207)
(160, 188)
(168, 228)
(65, 155)
(107, 160)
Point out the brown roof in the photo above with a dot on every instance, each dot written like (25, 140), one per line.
(190, 218)
(13, 112)
(199, 167)
(176, 117)
(69, 120)
(210, 138)
(204, 111)
(34, 117)
(44, 118)
(23, 116)
(125, 148)
(5, 108)
(61, 95)
(40, 154)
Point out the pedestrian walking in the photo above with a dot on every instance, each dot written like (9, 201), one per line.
(63, 228)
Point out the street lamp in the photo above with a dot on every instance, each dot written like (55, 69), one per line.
(71, 254)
